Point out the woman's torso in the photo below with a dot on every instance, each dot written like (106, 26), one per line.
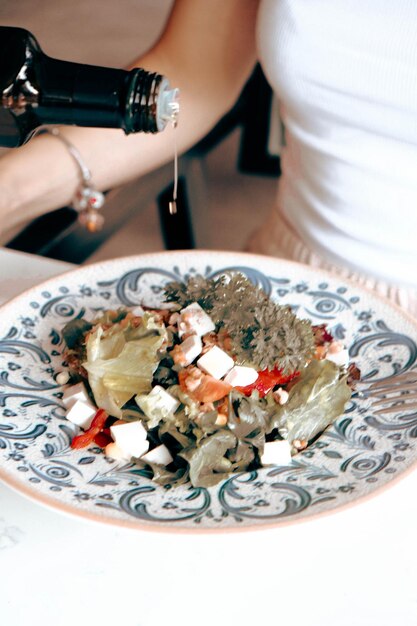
(345, 74)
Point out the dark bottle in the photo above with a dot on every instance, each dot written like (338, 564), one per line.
(36, 89)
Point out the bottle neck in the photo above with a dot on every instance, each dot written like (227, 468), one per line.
(36, 89)
(84, 95)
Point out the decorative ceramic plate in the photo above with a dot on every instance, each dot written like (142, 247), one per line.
(360, 453)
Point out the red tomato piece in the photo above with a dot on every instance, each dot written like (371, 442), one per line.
(266, 381)
(102, 439)
(82, 441)
(97, 425)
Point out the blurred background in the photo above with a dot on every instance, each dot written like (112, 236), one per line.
(228, 181)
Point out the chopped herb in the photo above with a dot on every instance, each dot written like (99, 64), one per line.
(263, 333)
(196, 289)
(75, 331)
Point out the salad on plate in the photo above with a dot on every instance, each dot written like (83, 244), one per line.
(219, 379)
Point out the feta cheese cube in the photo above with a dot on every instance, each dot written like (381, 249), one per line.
(157, 402)
(215, 362)
(195, 320)
(241, 376)
(276, 453)
(191, 348)
(130, 438)
(114, 452)
(81, 413)
(72, 393)
(159, 455)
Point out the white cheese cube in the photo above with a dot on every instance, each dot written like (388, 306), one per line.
(81, 413)
(157, 402)
(130, 438)
(276, 453)
(215, 362)
(195, 320)
(159, 455)
(114, 452)
(241, 376)
(72, 393)
(341, 358)
(191, 348)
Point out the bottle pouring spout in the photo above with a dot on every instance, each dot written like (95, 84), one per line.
(169, 106)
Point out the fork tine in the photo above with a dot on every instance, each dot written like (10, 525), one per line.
(406, 378)
(400, 398)
(396, 393)
(400, 391)
(396, 407)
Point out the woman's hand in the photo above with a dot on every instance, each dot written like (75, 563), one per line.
(207, 50)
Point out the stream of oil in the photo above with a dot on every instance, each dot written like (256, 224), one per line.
(173, 202)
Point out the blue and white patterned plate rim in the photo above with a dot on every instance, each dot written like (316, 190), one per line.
(359, 454)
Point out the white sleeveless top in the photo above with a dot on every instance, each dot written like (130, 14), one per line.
(345, 74)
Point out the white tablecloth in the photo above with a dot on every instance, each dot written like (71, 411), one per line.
(353, 567)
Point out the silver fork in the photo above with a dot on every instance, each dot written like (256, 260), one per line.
(394, 393)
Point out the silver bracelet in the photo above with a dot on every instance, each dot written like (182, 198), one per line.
(87, 200)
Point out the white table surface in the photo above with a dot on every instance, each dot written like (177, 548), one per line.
(357, 566)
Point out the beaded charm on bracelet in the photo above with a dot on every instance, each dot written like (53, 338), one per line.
(87, 200)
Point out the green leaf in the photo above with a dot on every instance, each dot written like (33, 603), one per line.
(121, 362)
(315, 401)
(242, 456)
(162, 476)
(247, 415)
(208, 464)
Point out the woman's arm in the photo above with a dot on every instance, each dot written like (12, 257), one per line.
(207, 50)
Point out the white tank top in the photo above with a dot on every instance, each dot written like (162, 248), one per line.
(345, 74)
